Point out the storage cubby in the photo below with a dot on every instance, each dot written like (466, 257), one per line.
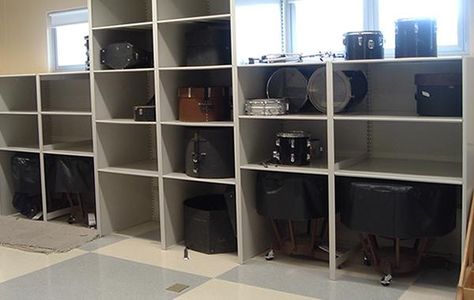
(18, 94)
(419, 151)
(253, 82)
(177, 9)
(70, 189)
(174, 143)
(172, 80)
(127, 149)
(392, 88)
(120, 12)
(175, 193)
(65, 93)
(172, 43)
(140, 37)
(117, 93)
(127, 201)
(7, 180)
(67, 135)
(258, 137)
(19, 131)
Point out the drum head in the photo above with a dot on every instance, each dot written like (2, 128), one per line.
(293, 135)
(288, 83)
(318, 94)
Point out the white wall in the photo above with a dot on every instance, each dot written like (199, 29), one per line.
(23, 33)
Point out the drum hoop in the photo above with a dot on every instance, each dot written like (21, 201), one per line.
(293, 134)
(285, 69)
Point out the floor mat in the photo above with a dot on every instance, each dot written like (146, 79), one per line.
(42, 237)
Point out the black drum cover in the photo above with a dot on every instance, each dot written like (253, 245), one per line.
(416, 38)
(364, 45)
(393, 209)
(210, 153)
(125, 56)
(282, 196)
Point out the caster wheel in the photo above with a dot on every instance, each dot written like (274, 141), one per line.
(270, 255)
(366, 261)
(386, 280)
(71, 220)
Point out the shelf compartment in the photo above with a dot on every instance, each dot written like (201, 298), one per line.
(68, 93)
(19, 131)
(117, 93)
(18, 94)
(177, 9)
(395, 102)
(141, 38)
(117, 12)
(171, 81)
(316, 168)
(405, 169)
(74, 195)
(67, 135)
(184, 177)
(174, 142)
(127, 149)
(175, 193)
(252, 84)
(199, 124)
(257, 139)
(147, 168)
(7, 192)
(172, 46)
(197, 19)
(127, 201)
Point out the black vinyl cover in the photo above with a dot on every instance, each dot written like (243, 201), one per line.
(207, 226)
(210, 153)
(208, 44)
(26, 173)
(291, 197)
(404, 210)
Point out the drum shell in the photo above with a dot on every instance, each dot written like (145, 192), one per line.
(416, 38)
(293, 150)
(266, 107)
(364, 45)
(209, 153)
(203, 104)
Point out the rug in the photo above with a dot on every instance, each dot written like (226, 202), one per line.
(42, 237)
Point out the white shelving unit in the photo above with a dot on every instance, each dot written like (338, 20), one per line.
(139, 166)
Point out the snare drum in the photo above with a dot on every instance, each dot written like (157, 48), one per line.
(293, 148)
(266, 107)
(288, 83)
(350, 88)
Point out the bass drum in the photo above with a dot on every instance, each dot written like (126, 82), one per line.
(288, 83)
(350, 88)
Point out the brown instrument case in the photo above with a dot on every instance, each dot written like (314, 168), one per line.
(199, 104)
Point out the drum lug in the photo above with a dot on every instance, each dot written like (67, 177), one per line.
(308, 157)
(292, 144)
(277, 142)
(276, 155)
(292, 159)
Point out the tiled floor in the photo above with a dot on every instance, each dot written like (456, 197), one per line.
(122, 267)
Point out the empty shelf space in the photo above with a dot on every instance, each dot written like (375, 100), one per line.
(126, 122)
(140, 168)
(182, 176)
(79, 148)
(119, 12)
(405, 169)
(199, 124)
(19, 131)
(395, 117)
(18, 94)
(65, 92)
(317, 168)
(196, 19)
(169, 10)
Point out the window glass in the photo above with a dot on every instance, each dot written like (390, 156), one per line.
(446, 13)
(70, 49)
(319, 25)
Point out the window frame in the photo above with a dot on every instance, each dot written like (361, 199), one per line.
(371, 22)
(52, 39)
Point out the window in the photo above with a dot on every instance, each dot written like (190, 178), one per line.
(317, 25)
(67, 30)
